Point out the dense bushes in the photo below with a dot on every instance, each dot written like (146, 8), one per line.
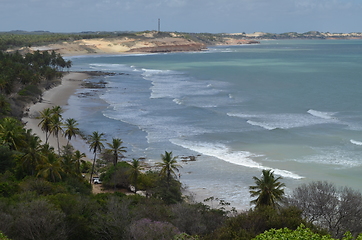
(26, 75)
(253, 222)
(336, 209)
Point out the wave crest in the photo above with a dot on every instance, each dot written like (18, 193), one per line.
(356, 142)
(220, 151)
(324, 115)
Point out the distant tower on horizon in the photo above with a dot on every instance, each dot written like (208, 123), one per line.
(159, 25)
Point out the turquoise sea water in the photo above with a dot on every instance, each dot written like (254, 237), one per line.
(293, 106)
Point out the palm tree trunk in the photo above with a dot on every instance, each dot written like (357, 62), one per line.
(94, 161)
(47, 137)
(58, 144)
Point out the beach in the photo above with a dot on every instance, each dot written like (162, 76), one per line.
(57, 96)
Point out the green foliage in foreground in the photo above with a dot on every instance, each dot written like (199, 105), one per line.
(300, 233)
(3, 237)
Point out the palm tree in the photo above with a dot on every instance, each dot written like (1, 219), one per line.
(11, 133)
(71, 129)
(268, 190)
(135, 171)
(95, 145)
(116, 148)
(67, 159)
(46, 148)
(4, 105)
(77, 158)
(56, 127)
(168, 166)
(45, 121)
(33, 155)
(52, 169)
(57, 111)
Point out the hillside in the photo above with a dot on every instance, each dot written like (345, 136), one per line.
(115, 43)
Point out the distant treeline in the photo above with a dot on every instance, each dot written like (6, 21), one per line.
(22, 77)
(27, 39)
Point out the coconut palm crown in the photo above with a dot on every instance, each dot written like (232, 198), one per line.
(268, 190)
(168, 166)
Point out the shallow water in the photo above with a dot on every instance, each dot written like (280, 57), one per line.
(292, 106)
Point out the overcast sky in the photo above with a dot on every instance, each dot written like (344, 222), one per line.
(214, 16)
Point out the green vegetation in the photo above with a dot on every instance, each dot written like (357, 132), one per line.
(268, 190)
(17, 39)
(23, 76)
(95, 145)
(285, 233)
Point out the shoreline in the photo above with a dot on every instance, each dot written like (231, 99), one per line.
(56, 96)
(60, 95)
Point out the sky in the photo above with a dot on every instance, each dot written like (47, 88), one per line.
(212, 16)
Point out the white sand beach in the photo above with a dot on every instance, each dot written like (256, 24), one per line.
(57, 96)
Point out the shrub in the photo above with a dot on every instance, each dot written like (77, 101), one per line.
(146, 229)
(30, 90)
(336, 209)
(253, 222)
(285, 233)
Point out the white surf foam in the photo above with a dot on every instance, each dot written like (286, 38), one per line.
(282, 120)
(324, 115)
(356, 142)
(220, 151)
(110, 67)
(177, 101)
(260, 124)
(176, 85)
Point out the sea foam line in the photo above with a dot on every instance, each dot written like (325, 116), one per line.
(356, 142)
(220, 151)
(324, 115)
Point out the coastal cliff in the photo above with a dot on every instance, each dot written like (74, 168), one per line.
(149, 42)
(169, 45)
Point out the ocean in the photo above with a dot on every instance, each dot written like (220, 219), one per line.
(293, 106)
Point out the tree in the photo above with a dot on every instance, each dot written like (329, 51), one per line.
(38, 219)
(323, 204)
(95, 145)
(4, 105)
(135, 171)
(116, 148)
(168, 166)
(68, 163)
(77, 157)
(45, 122)
(268, 190)
(71, 129)
(55, 128)
(52, 169)
(11, 133)
(57, 111)
(33, 155)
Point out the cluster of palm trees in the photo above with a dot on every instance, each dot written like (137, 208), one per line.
(33, 158)
(168, 166)
(51, 123)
